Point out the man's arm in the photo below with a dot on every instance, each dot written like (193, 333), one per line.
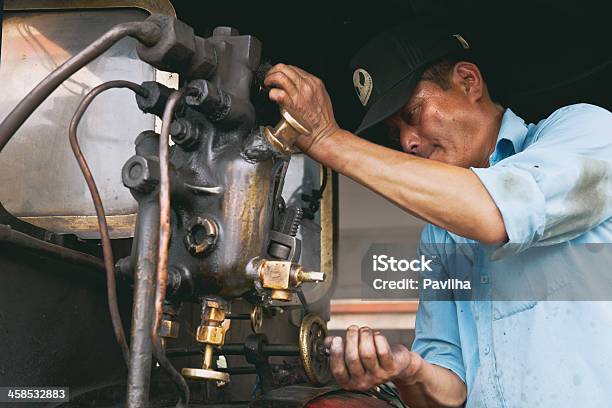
(366, 360)
(450, 197)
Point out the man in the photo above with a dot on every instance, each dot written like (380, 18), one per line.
(523, 196)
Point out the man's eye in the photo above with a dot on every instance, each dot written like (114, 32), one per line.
(410, 115)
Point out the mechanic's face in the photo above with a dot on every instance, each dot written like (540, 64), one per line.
(441, 125)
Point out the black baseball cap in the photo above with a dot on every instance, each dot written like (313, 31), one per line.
(387, 68)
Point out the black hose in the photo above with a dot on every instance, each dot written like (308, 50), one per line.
(111, 286)
(145, 31)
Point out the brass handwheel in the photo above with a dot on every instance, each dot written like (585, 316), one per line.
(313, 331)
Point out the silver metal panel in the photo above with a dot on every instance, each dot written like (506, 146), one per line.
(40, 177)
(303, 176)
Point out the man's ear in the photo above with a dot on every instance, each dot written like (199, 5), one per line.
(468, 78)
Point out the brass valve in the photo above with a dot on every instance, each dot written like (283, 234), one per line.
(211, 333)
(281, 277)
(284, 134)
(169, 329)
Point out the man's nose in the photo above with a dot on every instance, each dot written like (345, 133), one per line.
(409, 140)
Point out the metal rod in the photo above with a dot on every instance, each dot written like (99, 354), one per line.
(146, 32)
(242, 316)
(139, 370)
(164, 239)
(10, 236)
(237, 349)
(238, 370)
(111, 286)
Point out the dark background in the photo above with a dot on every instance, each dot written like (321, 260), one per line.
(537, 55)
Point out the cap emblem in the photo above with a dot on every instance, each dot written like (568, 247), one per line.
(363, 85)
(462, 41)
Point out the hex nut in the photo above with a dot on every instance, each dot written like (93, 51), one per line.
(176, 47)
(204, 61)
(140, 174)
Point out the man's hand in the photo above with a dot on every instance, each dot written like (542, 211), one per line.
(365, 359)
(304, 96)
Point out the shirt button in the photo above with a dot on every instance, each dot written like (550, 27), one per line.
(487, 350)
(484, 279)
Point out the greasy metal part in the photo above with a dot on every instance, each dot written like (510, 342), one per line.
(220, 106)
(97, 200)
(211, 333)
(313, 331)
(185, 133)
(152, 6)
(285, 133)
(256, 318)
(146, 32)
(10, 236)
(281, 277)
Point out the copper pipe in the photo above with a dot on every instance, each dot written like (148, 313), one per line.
(111, 286)
(164, 239)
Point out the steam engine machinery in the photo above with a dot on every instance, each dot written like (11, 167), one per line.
(223, 257)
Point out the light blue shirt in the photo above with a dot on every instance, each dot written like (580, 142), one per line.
(550, 344)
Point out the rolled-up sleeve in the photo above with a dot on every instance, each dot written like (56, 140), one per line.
(437, 328)
(559, 187)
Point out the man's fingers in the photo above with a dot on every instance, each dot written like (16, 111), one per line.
(296, 74)
(383, 350)
(336, 361)
(328, 341)
(351, 353)
(282, 81)
(279, 96)
(304, 74)
(367, 350)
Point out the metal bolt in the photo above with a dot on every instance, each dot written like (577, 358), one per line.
(184, 133)
(141, 174)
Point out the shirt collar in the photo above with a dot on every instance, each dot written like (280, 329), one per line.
(510, 138)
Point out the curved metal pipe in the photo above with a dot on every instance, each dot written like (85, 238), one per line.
(164, 240)
(111, 286)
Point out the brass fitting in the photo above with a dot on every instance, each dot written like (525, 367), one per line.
(169, 329)
(284, 134)
(211, 333)
(281, 277)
